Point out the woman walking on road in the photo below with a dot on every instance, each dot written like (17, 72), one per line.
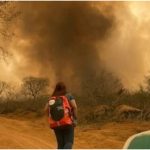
(62, 111)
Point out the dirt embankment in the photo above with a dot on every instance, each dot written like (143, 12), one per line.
(29, 132)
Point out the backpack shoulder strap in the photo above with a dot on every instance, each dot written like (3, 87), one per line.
(53, 97)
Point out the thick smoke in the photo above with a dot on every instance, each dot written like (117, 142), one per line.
(126, 52)
(75, 41)
(60, 38)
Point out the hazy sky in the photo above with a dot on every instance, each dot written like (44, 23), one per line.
(80, 37)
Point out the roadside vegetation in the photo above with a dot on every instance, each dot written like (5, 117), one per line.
(97, 105)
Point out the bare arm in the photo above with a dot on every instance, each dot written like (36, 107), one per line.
(46, 109)
(74, 108)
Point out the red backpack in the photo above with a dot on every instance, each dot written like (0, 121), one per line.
(59, 112)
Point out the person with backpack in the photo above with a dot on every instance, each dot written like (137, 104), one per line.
(62, 111)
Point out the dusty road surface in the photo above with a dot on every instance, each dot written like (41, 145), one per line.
(30, 132)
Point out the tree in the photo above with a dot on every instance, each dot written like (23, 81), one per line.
(147, 79)
(3, 87)
(8, 13)
(101, 88)
(33, 86)
(7, 91)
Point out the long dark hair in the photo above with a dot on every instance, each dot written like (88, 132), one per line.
(60, 89)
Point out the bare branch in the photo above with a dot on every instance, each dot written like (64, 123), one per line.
(33, 86)
(8, 13)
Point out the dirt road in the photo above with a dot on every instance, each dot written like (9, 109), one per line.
(17, 132)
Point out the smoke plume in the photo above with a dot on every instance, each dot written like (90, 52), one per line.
(59, 38)
(72, 41)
